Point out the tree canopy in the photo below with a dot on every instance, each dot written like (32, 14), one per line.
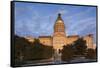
(80, 46)
(26, 51)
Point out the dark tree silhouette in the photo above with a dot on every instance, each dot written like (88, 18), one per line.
(91, 54)
(41, 51)
(80, 46)
(20, 47)
(26, 51)
(67, 53)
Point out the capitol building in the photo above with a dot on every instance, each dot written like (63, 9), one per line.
(60, 38)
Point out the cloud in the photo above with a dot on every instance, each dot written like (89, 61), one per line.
(35, 24)
(62, 10)
(79, 14)
(83, 23)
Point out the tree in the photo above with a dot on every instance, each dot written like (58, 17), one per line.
(91, 54)
(27, 51)
(41, 51)
(21, 49)
(67, 53)
(80, 46)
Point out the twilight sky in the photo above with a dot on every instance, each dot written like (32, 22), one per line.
(35, 19)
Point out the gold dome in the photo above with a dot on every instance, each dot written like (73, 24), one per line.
(59, 25)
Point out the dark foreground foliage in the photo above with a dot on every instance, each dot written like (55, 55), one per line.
(26, 51)
(76, 50)
(67, 53)
(91, 54)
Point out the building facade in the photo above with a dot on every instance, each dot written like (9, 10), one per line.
(60, 38)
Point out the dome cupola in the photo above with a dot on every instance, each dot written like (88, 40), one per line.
(59, 24)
